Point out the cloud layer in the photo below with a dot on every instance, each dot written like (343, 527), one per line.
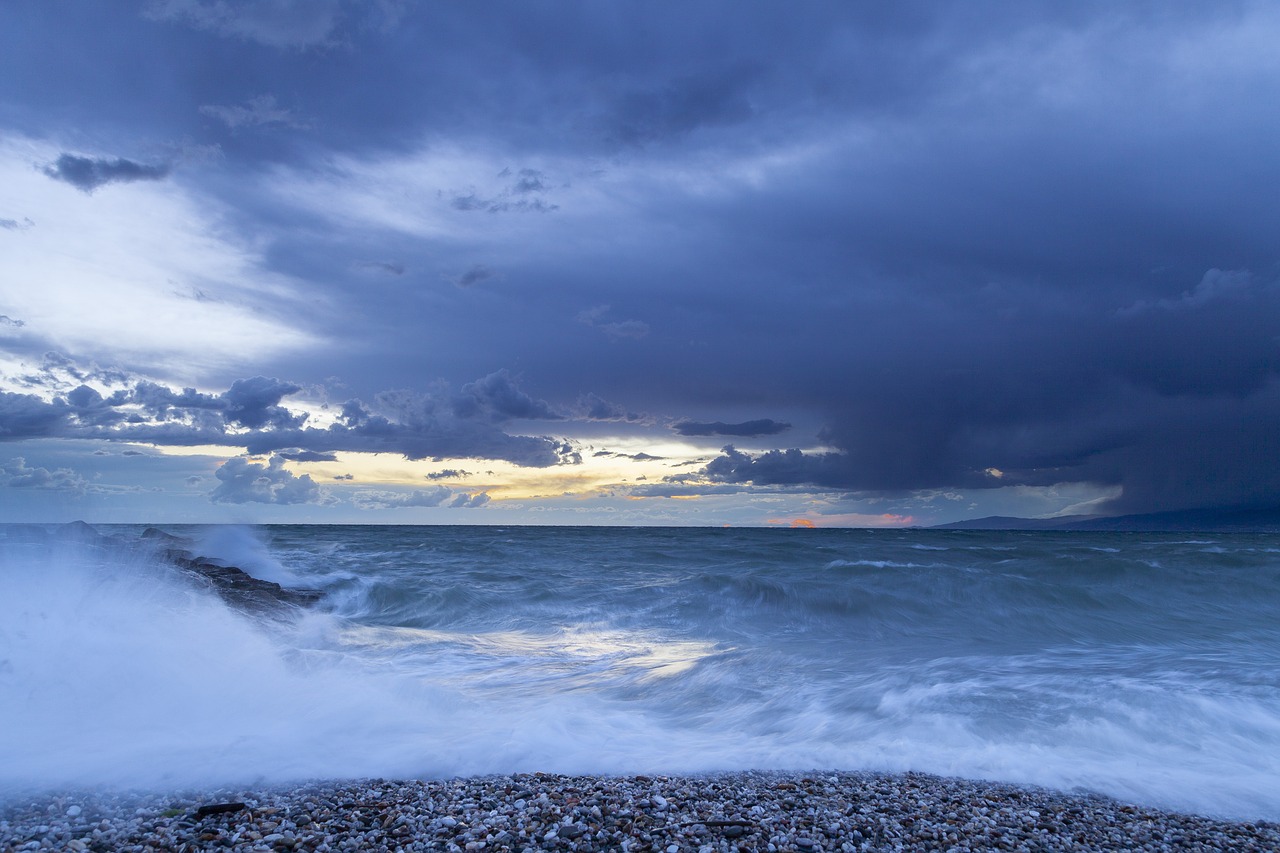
(866, 253)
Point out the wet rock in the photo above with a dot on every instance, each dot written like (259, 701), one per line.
(235, 586)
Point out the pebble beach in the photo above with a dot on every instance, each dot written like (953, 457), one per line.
(739, 811)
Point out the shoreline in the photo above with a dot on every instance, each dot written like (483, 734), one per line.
(752, 810)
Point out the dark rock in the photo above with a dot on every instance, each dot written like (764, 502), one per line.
(153, 533)
(234, 585)
(219, 808)
(238, 588)
(78, 530)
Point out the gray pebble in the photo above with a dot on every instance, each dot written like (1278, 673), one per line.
(751, 811)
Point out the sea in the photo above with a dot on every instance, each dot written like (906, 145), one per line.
(1138, 665)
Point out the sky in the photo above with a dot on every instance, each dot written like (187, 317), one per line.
(707, 263)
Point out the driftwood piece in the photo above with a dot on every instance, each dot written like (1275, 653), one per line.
(219, 808)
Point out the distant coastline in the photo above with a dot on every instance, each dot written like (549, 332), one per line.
(1247, 520)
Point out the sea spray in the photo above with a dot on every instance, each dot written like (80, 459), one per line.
(1140, 666)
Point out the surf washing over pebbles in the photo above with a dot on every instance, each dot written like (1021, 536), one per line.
(1141, 666)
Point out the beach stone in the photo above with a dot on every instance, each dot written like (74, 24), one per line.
(836, 811)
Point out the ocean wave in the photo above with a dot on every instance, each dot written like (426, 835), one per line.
(1145, 672)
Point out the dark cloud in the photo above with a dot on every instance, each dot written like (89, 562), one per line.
(468, 202)
(88, 408)
(449, 474)
(243, 481)
(497, 398)
(15, 225)
(593, 407)
(88, 174)
(1174, 405)
(525, 194)
(163, 403)
(474, 275)
(676, 109)
(421, 429)
(29, 416)
(530, 181)
(415, 425)
(775, 468)
(255, 403)
(942, 242)
(6, 320)
(746, 429)
(437, 440)
(635, 457)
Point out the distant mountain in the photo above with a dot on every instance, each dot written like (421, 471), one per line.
(1010, 522)
(1237, 520)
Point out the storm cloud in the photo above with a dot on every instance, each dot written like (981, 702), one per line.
(88, 174)
(746, 429)
(249, 414)
(1011, 247)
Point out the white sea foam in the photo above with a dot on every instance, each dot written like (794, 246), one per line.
(246, 548)
(112, 672)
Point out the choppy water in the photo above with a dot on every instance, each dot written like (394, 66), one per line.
(1140, 665)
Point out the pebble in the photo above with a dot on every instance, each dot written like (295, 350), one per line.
(740, 811)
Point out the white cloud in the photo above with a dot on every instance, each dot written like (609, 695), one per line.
(17, 475)
(243, 481)
(140, 274)
(374, 499)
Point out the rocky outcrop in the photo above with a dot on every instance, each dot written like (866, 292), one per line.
(235, 586)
